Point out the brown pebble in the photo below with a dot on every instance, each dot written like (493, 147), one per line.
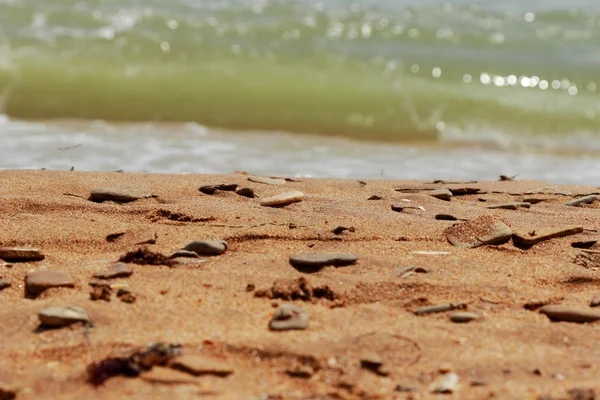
(4, 284)
(442, 194)
(375, 197)
(246, 192)
(18, 254)
(534, 237)
(212, 189)
(595, 302)
(584, 244)
(570, 314)
(116, 270)
(62, 316)
(463, 317)
(8, 392)
(201, 365)
(312, 262)
(301, 371)
(38, 281)
(484, 230)
(117, 194)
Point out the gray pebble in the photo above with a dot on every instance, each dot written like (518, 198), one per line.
(116, 270)
(509, 206)
(582, 200)
(184, 254)
(570, 314)
(117, 194)
(439, 308)
(462, 317)
(62, 316)
(289, 317)
(442, 194)
(38, 281)
(207, 247)
(266, 181)
(311, 262)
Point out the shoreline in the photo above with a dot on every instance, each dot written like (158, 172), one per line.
(360, 315)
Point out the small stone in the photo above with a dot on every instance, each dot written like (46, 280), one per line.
(535, 237)
(184, 254)
(570, 314)
(100, 292)
(212, 189)
(116, 270)
(400, 207)
(582, 200)
(118, 195)
(301, 371)
(282, 199)
(38, 281)
(584, 244)
(201, 365)
(168, 376)
(288, 317)
(407, 271)
(595, 302)
(371, 361)
(445, 217)
(534, 199)
(439, 308)
(8, 392)
(509, 206)
(341, 229)
(484, 230)
(17, 254)
(447, 383)
(375, 197)
(464, 190)
(266, 181)
(62, 316)
(4, 284)
(442, 194)
(463, 317)
(246, 192)
(207, 247)
(312, 262)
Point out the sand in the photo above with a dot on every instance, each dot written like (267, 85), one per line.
(209, 305)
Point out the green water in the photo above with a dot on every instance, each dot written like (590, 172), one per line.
(387, 70)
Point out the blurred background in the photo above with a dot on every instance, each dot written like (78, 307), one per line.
(460, 89)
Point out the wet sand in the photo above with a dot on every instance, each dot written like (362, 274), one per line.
(209, 305)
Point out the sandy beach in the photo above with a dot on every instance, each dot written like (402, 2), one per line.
(363, 339)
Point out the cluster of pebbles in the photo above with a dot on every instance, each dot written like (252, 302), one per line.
(163, 363)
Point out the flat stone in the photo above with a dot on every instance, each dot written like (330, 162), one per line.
(375, 197)
(534, 199)
(38, 281)
(4, 284)
(289, 317)
(484, 230)
(168, 376)
(445, 217)
(282, 199)
(62, 316)
(595, 302)
(509, 206)
(582, 200)
(584, 244)
(184, 254)
(447, 383)
(116, 270)
(18, 254)
(399, 207)
(535, 237)
(266, 181)
(212, 189)
(207, 247)
(462, 317)
(201, 365)
(570, 314)
(464, 190)
(438, 308)
(246, 192)
(312, 262)
(442, 194)
(118, 195)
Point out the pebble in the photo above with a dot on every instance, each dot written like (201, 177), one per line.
(442, 194)
(439, 308)
(584, 244)
(266, 181)
(534, 199)
(463, 317)
(8, 392)
(207, 247)
(287, 317)
(312, 262)
(484, 230)
(535, 237)
(447, 383)
(375, 197)
(38, 281)
(372, 362)
(117, 194)
(595, 302)
(582, 200)
(116, 270)
(464, 190)
(570, 314)
(212, 189)
(407, 271)
(246, 192)
(301, 371)
(445, 217)
(509, 206)
(399, 207)
(201, 365)
(4, 284)
(184, 254)
(282, 199)
(167, 376)
(62, 316)
(17, 254)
